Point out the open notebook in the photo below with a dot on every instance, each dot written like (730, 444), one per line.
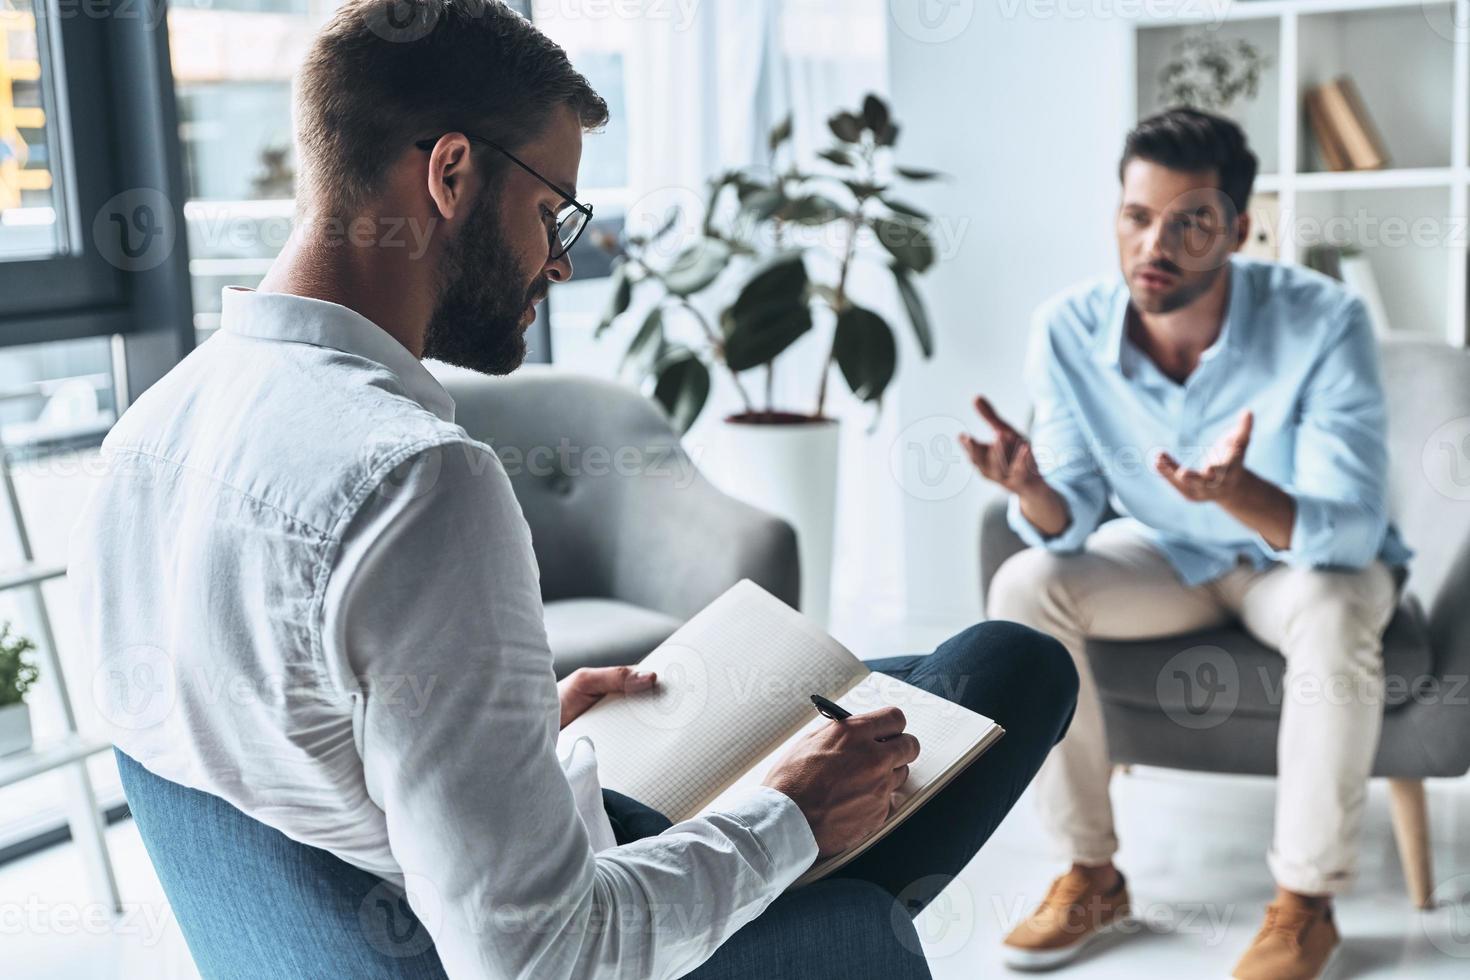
(734, 687)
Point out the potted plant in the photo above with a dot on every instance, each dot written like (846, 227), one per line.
(790, 240)
(17, 675)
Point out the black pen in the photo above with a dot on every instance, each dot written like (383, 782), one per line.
(830, 709)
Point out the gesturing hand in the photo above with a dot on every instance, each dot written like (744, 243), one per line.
(583, 688)
(1224, 471)
(1008, 460)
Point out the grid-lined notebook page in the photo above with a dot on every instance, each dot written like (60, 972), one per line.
(947, 733)
(733, 683)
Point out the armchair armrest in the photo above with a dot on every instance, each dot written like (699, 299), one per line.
(678, 547)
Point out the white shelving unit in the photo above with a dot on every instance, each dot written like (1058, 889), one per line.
(68, 752)
(1410, 59)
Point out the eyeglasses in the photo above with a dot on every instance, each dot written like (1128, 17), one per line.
(571, 220)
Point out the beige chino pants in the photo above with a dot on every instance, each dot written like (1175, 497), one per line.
(1327, 624)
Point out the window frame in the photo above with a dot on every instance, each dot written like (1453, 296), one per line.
(110, 138)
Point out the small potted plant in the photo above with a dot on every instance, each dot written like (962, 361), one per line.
(17, 675)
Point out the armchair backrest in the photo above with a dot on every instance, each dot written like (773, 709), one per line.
(1427, 384)
(570, 443)
(252, 903)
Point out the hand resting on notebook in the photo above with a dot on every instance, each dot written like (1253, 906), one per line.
(843, 776)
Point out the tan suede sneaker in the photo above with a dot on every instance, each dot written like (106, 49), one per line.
(1293, 944)
(1073, 916)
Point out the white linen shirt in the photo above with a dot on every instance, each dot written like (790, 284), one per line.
(308, 592)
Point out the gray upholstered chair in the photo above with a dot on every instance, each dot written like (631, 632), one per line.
(631, 539)
(1426, 724)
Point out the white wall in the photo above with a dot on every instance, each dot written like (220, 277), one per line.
(1025, 105)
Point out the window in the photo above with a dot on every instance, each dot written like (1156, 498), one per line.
(28, 204)
(233, 61)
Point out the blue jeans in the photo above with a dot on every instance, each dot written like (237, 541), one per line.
(858, 923)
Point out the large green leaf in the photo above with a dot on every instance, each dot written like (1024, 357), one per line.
(780, 133)
(918, 173)
(682, 388)
(622, 295)
(914, 303)
(647, 341)
(696, 267)
(905, 208)
(778, 282)
(865, 352)
(906, 241)
(761, 203)
(846, 127)
(875, 114)
(811, 209)
(763, 330)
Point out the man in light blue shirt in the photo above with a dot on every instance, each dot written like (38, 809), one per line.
(1231, 410)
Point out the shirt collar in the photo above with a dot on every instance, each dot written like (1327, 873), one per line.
(1109, 348)
(302, 320)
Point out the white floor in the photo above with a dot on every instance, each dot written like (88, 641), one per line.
(1192, 847)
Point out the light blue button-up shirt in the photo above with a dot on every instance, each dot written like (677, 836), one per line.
(1296, 349)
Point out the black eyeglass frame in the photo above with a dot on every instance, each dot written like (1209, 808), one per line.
(552, 243)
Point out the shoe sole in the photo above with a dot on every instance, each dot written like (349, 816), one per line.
(1327, 968)
(1035, 960)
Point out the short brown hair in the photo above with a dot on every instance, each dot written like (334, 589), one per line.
(1187, 139)
(383, 73)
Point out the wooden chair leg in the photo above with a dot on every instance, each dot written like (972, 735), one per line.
(1411, 831)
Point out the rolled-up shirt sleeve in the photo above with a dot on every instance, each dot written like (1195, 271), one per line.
(437, 629)
(1063, 456)
(1340, 461)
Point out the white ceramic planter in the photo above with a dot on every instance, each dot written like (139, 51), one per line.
(15, 728)
(789, 470)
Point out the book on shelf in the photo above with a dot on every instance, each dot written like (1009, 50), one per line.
(733, 695)
(1344, 132)
(1353, 269)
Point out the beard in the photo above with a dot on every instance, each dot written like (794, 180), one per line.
(477, 322)
(1186, 292)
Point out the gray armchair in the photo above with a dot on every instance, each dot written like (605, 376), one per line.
(630, 538)
(1426, 724)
